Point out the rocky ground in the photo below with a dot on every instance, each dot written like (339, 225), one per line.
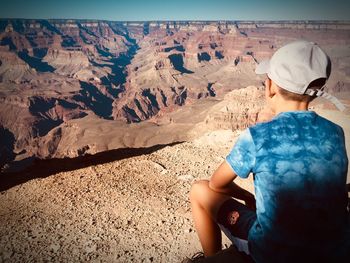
(131, 210)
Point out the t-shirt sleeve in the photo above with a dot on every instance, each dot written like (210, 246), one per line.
(242, 156)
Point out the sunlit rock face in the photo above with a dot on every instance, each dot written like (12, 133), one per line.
(53, 72)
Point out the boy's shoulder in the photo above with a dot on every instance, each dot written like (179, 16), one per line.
(291, 121)
(303, 117)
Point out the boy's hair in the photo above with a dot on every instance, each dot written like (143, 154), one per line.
(316, 84)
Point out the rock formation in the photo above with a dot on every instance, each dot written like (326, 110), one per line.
(56, 72)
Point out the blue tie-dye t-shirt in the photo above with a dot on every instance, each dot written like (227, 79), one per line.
(299, 164)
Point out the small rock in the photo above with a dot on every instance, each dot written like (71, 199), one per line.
(90, 248)
(8, 254)
(54, 247)
(148, 260)
(188, 230)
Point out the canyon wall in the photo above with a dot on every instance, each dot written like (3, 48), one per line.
(53, 72)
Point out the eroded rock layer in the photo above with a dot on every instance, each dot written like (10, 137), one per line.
(54, 72)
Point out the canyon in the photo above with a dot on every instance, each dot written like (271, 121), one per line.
(105, 125)
(70, 88)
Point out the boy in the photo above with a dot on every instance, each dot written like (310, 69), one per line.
(299, 164)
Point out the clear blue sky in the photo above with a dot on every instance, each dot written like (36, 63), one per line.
(137, 10)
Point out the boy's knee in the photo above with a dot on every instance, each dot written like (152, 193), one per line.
(198, 189)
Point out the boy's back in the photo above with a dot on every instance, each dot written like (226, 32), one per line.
(300, 166)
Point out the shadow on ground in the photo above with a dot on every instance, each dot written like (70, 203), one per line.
(45, 168)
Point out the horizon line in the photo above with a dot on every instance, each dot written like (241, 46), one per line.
(189, 20)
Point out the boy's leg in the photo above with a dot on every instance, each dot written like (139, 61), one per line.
(205, 204)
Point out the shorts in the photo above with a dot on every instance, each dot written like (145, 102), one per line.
(235, 220)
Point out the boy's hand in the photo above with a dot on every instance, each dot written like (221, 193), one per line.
(222, 182)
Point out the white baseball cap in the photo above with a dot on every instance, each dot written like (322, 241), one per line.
(294, 66)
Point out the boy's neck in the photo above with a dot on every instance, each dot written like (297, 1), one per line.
(289, 105)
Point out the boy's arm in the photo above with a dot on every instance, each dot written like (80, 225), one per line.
(222, 182)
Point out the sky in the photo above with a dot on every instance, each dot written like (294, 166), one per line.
(152, 10)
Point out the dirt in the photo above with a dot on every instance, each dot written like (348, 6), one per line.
(131, 210)
(134, 209)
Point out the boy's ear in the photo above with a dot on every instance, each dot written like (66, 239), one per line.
(268, 84)
(270, 88)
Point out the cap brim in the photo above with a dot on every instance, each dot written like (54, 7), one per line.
(263, 67)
